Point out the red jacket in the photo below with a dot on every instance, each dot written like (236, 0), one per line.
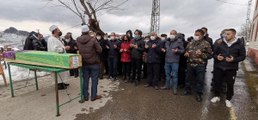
(125, 52)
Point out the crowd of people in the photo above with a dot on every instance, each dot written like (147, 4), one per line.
(166, 61)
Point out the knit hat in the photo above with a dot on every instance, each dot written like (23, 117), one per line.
(85, 28)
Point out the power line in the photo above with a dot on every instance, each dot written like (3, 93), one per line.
(71, 27)
(239, 4)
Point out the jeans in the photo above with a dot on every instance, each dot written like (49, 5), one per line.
(90, 71)
(171, 67)
(112, 65)
(195, 77)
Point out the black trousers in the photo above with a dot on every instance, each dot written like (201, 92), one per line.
(106, 66)
(181, 74)
(227, 76)
(153, 70)
(126, 69)
(136, 65)
(74, 72)
(144, 70)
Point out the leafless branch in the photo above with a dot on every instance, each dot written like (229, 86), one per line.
(87, 12)
(108, 6)
(67, 6)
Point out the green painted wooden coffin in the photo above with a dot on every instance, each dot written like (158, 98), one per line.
(50, 59)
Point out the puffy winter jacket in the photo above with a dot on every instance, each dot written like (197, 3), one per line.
(90, 49)
(237, 50)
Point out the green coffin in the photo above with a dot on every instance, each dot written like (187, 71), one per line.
(50, 59)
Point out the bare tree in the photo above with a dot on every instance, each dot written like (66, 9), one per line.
(90, 8)
(245, 31)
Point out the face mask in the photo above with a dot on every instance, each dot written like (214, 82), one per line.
(109, 38)
(135, 37)
(60, 33)
(162, 38)
(153, 37)
(98, 37)
(172, 36)
(146, 40)
(196, 37)
(112, 38)
(67, 40)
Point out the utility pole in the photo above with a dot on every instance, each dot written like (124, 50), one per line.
(155, 16)
(248, 21)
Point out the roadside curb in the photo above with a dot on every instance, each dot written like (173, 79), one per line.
(251, 76)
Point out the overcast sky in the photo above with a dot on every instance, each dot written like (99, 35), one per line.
(183, 15)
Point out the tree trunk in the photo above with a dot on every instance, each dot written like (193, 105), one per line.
(94, 26)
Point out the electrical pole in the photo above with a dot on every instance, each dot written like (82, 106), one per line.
(155, 16)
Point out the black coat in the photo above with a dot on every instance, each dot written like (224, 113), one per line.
(154, 54)
(112, 51)
(209, 40)
(237, 50)
(73, 46)
(104, 54)
(138, 53)
(38, 45)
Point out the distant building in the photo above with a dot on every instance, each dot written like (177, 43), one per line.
(254, 28)
(253, 41)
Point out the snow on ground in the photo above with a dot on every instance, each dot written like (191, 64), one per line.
(27, 100)
(19, 74)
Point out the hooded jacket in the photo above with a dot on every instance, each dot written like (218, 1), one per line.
(89, 49)
(237, 50)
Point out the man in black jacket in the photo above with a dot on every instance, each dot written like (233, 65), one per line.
(153, 48)
(228, 54)
(206, 37)
(103, 55)
(113, 47)
(137, 47)
(38, 42)
(72, 45)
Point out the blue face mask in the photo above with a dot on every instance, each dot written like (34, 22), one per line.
(135, 37)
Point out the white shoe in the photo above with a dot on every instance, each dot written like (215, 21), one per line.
(215, 99)
(228, 103)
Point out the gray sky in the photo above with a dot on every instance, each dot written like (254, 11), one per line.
(183, 15)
